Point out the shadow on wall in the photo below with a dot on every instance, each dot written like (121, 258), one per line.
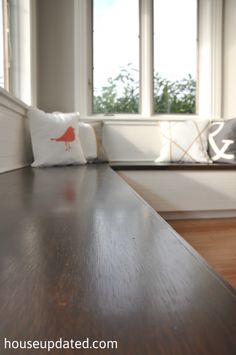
(185, 191)
(131, 142)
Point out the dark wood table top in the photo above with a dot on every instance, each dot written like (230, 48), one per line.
(151, 165)
(83, 256)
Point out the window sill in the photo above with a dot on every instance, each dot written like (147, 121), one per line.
(139, 119)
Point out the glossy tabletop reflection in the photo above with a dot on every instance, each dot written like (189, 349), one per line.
(83, 256)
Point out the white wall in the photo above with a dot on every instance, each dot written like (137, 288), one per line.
(55, 55)
(15, 146)
(229, 60)
(131, 141)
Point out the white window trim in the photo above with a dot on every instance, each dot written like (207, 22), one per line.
(209, 64)
(21, 56)
(33, 51)
(20, 68)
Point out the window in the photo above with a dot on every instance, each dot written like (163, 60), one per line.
(116, 56)
(175, 66)
(175, 56)
(15, 48)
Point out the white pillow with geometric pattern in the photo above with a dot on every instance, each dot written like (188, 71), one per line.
(184, 142)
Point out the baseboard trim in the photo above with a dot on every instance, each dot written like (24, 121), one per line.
(9, 169)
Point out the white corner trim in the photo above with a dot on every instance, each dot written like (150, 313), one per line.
(216, 60)
(83, 56)
(210, 58)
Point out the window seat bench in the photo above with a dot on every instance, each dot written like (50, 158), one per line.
(83, 256)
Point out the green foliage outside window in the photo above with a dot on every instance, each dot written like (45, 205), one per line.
(174, 96)
(121, 94)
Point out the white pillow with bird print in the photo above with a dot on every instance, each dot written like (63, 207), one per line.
(54, 138)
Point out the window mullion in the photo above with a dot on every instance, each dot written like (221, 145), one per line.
(146, 58)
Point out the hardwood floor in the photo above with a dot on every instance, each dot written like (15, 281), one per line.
(215, 240)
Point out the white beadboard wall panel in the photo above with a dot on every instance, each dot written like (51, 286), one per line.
(131, 141)
(179, 191)
(15, 145)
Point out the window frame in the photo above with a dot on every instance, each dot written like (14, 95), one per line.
(209, 75)
(14, 69)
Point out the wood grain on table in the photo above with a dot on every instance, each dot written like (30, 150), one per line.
(83, 256)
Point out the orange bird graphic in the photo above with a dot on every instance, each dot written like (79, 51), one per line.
(67, 137)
